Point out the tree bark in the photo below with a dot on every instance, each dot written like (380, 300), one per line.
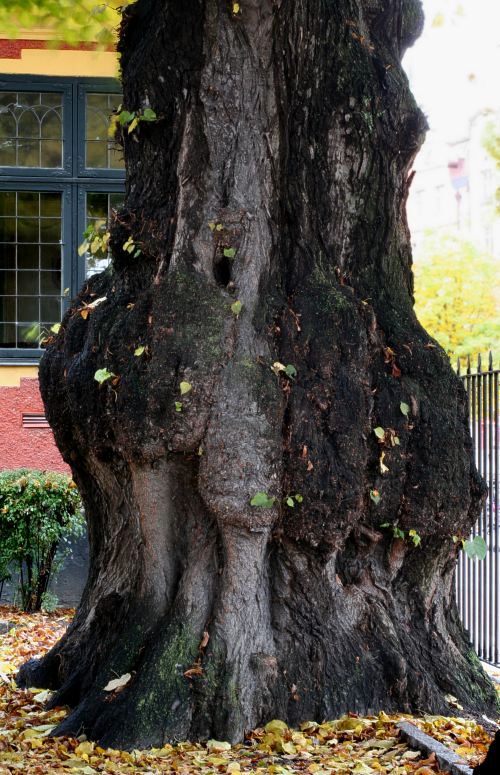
(285, 132)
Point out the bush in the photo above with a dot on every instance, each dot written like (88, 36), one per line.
(39, 511)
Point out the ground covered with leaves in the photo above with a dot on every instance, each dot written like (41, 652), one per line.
(347, 745)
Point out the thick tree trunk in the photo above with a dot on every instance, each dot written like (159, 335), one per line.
(286, 132)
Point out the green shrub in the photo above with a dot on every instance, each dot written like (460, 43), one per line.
(39, 512)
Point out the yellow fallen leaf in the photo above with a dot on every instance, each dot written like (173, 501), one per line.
(276, 726)
(85, 748)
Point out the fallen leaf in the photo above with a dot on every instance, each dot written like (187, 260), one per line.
(118, 683)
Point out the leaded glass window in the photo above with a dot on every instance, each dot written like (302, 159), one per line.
(100, 150)
(30, 265)
(59, 172)
(31, 129)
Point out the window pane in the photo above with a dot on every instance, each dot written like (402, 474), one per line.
(7, 283)
(100, 150)
(7, 335)
(28, 203)
(7, 308)
(28, 153)
(27, 309)
(27, 282)
(50, 153)
(7, 229)
(50, 204)
(7, 203)
(53, 99)
(50, 283)
(28, 229)
(97, 154)
(116, 158)
(28, 335)
(97, 205)
(7, 256)
(50, 309)
(7, 143)
(28, 125)
(98, 210)
(27, 256)
(50, 230)
(51, 127)
(25, 119)
(30, 272)
(50, 257)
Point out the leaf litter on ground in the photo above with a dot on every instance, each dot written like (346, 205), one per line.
(351, 744)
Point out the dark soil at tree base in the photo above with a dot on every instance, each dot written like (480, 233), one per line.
(286, 132)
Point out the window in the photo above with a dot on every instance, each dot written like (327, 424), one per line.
(59, 172)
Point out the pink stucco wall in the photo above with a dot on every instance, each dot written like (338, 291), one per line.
(25, 447)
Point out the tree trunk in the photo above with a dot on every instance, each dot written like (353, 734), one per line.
(285, 133)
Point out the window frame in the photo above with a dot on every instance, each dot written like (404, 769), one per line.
(73, 180)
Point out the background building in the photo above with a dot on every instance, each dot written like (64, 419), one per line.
(454, 187)
(58, 172)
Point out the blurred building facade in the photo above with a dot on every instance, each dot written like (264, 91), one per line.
(454, 187)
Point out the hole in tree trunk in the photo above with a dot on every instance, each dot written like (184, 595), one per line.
(222, 271)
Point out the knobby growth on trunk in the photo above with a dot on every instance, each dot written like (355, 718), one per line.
(275, 175)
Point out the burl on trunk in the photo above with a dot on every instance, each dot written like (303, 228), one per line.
(276, 176)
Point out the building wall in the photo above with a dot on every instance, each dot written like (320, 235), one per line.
(34, 447)
(20, 446)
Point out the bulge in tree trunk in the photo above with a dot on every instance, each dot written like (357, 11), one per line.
(268, 200)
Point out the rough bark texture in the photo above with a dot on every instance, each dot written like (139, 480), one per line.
(291, 125)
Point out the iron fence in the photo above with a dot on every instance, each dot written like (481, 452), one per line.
(478, 581)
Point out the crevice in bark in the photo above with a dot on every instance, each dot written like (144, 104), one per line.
(223, 271)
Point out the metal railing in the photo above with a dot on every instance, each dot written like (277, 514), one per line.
(477, 582)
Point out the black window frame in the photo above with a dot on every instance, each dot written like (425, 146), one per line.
(73, 180)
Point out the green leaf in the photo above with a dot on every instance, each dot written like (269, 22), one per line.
(125, 117)
(185, 387)
(148, 115)
(102, 375)
(219, 227)
(299, 498)
(475, 548)
(178, 406)
(55, 328)
(405, 409)
(263, 500)
(290, 502)
(229, 252)
(236, 308)
(139, 350)
(290, 371)
(415, 537)
(379, 432)
(211, 226)
(397, 532)
(375, 496)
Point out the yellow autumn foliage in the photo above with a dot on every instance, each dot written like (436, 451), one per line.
(457, 295)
